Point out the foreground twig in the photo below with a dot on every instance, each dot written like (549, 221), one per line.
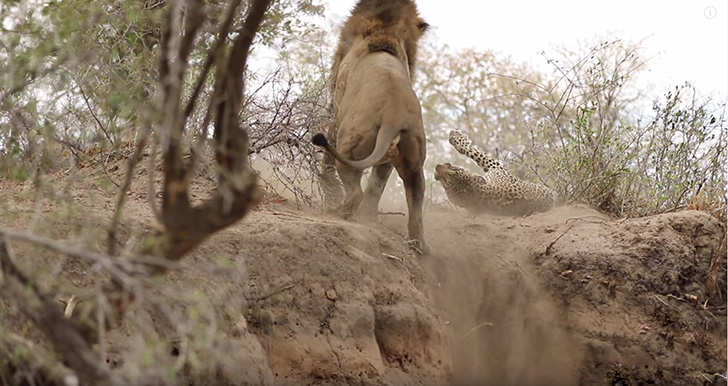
(41, 362)
(183, 226)
(47, 316)
(475, 328)
(121, 269)
(551, 245)
(92, 257)
(121, 199)
(279, 290)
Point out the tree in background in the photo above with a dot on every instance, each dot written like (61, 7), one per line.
(582, 128)
(80, 75)
(75, 74)
(481, 93)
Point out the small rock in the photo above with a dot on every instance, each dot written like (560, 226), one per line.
(240, 327)
(331, 294)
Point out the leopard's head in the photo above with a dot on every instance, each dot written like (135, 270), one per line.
(451, 175)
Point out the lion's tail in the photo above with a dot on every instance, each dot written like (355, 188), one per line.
(384, 141)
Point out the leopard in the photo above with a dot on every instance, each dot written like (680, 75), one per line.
(497, 191)
(378, 117)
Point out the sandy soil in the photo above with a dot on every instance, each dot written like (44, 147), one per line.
(296, 296)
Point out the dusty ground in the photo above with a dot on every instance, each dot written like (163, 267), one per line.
(290, 296)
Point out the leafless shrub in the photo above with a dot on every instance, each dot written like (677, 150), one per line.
(593, 142)
(282, 114)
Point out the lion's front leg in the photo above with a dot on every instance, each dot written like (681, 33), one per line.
(414, 185)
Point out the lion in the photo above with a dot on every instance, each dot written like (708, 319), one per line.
(378, 118)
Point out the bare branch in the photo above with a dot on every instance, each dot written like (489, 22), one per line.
(92, 112)
(121, 199)
(120, 269)
(187, 227)
(213, 55)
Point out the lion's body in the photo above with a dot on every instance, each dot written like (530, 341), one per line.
(392, 107)
(497, 191)
(378, 119)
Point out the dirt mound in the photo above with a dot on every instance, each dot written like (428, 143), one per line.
(573, 297)
(338, 302)
(289, 296)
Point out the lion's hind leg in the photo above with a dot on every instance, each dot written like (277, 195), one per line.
(373, 193)
(351, 179)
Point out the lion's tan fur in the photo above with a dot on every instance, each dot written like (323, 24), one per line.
(378, 117)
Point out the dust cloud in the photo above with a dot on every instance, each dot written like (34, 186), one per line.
(504, 328)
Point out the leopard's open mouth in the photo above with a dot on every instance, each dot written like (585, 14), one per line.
(439, 169)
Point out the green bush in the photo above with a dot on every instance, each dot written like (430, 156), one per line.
(585, 129)
(597, 147)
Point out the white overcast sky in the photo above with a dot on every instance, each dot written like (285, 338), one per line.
(685, 44)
